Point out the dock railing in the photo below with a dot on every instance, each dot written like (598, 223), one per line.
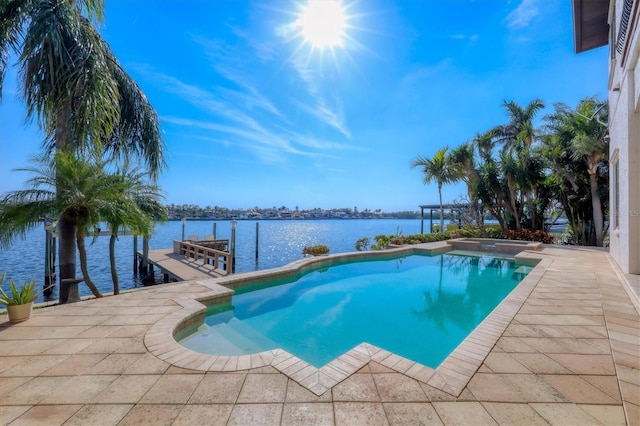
(210, 252)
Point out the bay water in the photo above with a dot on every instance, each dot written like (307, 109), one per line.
(279, 242)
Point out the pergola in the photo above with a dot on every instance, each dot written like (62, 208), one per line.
(432, 207)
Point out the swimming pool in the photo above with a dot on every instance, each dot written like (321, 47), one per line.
(417, 306)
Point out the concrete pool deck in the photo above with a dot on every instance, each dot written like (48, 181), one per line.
(570, 355)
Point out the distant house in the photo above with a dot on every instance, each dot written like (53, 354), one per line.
(615, 22)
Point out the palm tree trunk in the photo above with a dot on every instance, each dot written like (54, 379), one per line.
(112, 261)
(514, 209)
(441, 208)
(598, 222)
(66, 243)
(82, 251)
(67, 256)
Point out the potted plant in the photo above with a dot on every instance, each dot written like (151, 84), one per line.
(19, 302)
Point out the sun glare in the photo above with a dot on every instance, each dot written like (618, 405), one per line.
(323, 23)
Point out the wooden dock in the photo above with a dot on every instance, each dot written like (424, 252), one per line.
(192, 260)
(180, 267)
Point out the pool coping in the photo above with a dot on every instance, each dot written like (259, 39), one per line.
(451, 376)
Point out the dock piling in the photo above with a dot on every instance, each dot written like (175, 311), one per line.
(257, 239)
(135, 254)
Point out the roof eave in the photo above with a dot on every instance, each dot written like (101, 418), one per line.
(590, 24)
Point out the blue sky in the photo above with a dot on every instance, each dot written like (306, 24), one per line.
(252, 115)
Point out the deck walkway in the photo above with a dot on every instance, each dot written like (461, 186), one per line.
(180, 267)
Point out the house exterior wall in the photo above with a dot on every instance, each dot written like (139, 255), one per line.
(624, 132)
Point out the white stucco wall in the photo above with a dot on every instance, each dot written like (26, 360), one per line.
(624, 131)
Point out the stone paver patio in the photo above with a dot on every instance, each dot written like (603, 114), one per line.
(570, 356)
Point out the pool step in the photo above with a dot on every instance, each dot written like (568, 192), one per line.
(521, 272)
(244, 337)
(230, 337)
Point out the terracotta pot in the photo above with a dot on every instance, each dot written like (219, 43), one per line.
(19, 313)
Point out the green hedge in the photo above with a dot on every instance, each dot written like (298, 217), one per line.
(383, 241)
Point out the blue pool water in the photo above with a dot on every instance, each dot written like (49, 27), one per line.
(419, 307)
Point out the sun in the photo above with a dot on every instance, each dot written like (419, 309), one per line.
(323, 23)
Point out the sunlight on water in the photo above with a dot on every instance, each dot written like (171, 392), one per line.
(280, 242)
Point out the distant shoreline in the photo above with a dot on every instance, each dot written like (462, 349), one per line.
(296, 218)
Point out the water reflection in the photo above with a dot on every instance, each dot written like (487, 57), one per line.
(473, 286)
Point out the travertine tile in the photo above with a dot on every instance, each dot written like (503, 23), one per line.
(359, 413)
(513, 388)
(255, 414)
(99, 415)
(210, 414)
(33, 391)
(358, 387)
(578, 390)
(463, 413)
(607, 384)
(79, 389)
(10, 413)
(46, 415)
(172, 389)
(258, 388)
(154, 414)
(513, 414)
(33, 365)
(126, 389)
(564, 414)
(114, 364)
(540, 363)
(297, 393)
(396, 387)
(218, 388)
(504, 363)
(147, 364)
(606, 414)
(411, 413)
(74, 364)
(302, 414)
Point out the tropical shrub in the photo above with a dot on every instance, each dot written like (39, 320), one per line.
(318, 250)
(529, 235)
(384, 241)
(362, 244)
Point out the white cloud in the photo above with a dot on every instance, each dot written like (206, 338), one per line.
(330, 113)
(522, 15)
(472, 37)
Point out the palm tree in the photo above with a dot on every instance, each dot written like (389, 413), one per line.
(519, 132)
(441, 169)
(73, 84)
(511, 171)
(463, 157)
(517, 137)
(491, 191)
(139, 211)
(577, 139)
(588, 145)
(64, 186)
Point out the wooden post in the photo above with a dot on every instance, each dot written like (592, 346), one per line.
(257, 239)
(49, 270)
(135, 254)
(431, 220)
(233, 246)
(215, 225)
(144, 267)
